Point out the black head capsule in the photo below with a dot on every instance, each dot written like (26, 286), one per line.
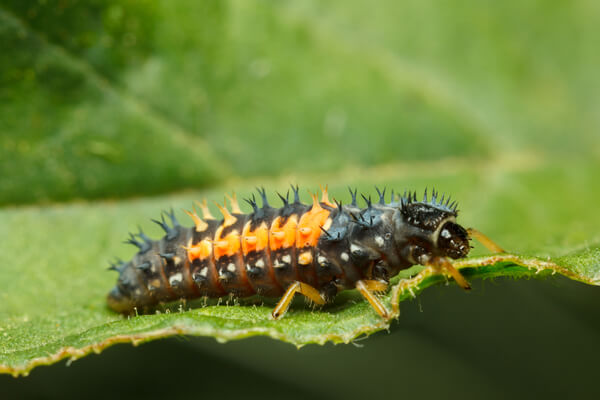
(453, 241)
(425, 230)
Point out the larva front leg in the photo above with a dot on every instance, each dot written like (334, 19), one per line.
(443, 265)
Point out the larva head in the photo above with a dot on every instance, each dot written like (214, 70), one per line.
(453, 240)
(429, 229)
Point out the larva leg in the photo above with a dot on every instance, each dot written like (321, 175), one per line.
(484, 240)
(442, 264)
(375, 285)
(366, 288)
(296, 287)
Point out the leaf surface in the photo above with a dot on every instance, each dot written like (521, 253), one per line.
(493, 104)
(54, 305)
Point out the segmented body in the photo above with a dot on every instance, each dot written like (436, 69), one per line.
(325, 245)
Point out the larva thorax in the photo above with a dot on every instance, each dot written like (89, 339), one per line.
(328, 246)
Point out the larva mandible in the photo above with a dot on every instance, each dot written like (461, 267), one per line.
(315, 250)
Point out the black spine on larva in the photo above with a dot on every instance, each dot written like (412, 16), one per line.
(158, 272)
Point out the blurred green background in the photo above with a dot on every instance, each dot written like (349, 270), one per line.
(127, 98)
(120, 99)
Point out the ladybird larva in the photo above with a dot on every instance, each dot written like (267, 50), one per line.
(316, 250)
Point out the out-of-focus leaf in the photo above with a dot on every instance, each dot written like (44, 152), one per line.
(120, 98)
(68, 128)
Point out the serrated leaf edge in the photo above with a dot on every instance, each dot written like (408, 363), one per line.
(403, 289)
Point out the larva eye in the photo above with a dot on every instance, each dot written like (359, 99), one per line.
(445, 233)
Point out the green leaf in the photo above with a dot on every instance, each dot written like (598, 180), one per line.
(53, 260)
(495, 104)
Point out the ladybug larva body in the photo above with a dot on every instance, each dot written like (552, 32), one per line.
(315, 250)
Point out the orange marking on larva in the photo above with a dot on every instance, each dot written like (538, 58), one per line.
(255, 240)
(200, 225)
(305, 258)
(226, 246)
(278, 235)
(222, 244)
(204, 208)
(325, 197)
(235, 207)
(283, 236)
(305, 231)
(311, 222)
(201, 250)
(228, 219)
(315, 205)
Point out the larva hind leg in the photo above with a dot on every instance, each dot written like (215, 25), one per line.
(296, 287)
(484, 240)
(366, 288)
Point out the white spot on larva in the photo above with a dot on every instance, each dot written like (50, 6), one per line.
(277, 264)
(204, 272)
(322, 261)
(248, 267)
(305, 258)
(286, 259)
(445, 234)
(260, 263)
(175, 279)
(231, 267)
(379, 240)
(355, 249)
(345, 256)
